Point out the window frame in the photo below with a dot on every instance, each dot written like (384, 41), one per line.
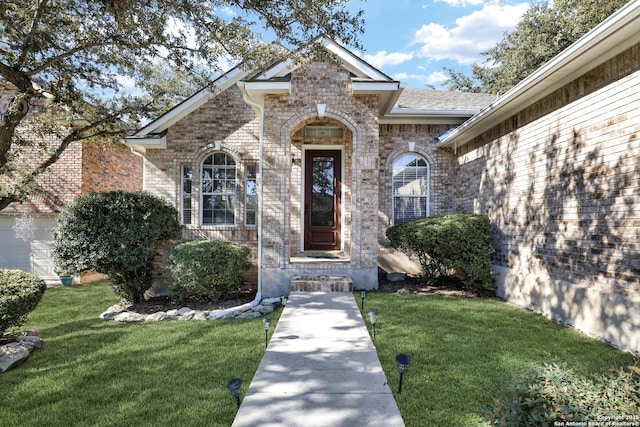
(233, 195)
(425, 196)
(247, 180)
(183, 195)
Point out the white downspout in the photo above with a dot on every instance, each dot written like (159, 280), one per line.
(222, 313)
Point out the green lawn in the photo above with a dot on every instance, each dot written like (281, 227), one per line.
(96, 373)
(466, 351)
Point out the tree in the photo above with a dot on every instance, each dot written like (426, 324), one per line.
(105, 62)
(545, 30)
(116, 233)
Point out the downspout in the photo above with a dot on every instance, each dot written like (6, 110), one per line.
(248, 306)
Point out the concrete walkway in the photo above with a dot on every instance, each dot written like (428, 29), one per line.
(320, 369)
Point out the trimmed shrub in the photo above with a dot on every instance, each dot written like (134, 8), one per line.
(556, 395)
(116, 233)
(207, 268)
(20, 293)
(446, 244)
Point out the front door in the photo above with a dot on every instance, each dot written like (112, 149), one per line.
(322, 199)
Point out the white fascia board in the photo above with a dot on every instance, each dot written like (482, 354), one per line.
(142, 144)
(612, 37)
(268, 87)
(192, 103)
(413, 116)
(372, 88)
(355, 64)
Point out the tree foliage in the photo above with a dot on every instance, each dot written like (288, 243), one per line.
(107, 61)
(546, 29)
(117, 233)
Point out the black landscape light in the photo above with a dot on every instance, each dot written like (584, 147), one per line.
(234, 387)
(363, 294)
(283, 300)
(403, 363)
(266, 322)
(373, 318)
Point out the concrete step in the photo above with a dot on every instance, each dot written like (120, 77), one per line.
(321, 284)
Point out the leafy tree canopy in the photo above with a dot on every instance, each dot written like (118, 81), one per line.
(546, 29)
(103, 62)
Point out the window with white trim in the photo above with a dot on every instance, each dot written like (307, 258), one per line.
(410, 184)
(251, 194)
(218, 193)
(187, 180)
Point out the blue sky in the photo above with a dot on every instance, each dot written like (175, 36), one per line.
(412, 40)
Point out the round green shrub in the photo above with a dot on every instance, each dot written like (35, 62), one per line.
(116, 233)
(207, 268)
(446, 243)
(20, 293)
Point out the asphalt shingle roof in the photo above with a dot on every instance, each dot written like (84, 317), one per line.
(429, 99)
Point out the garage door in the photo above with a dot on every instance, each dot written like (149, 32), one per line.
(33, 255)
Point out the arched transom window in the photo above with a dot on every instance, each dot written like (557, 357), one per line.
(218, 190)
(410, 188)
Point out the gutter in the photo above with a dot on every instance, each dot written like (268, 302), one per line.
(248, 306)
(614, 35)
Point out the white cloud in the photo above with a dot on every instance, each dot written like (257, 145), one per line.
(471, 35)
(461, 3)
(382, 58)
(434, 78)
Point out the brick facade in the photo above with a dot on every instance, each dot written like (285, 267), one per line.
(560, 181)
(368, 150)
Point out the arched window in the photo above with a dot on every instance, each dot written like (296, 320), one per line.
(218, 190)
(410, 188)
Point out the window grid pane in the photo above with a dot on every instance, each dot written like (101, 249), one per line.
(187, 193)
(250, 202)
(410, 188)
(218, 190)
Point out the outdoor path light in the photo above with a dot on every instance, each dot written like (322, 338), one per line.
(373, 318)
(266, 322)
(403, 363)
(363, 293)
(283, 300)
(234, 387)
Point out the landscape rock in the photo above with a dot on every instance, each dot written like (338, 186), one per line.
(12, 355)
(264, 309)
(156, 317)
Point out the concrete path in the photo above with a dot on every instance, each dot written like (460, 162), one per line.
(320, 369)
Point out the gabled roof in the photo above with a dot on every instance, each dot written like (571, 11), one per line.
(396, 104)
(613, 36)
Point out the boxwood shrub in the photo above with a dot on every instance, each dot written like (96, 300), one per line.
(212, 269)
(449, 244)
(20, 293)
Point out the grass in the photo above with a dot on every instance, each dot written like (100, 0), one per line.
(96, 373)
(465, 352)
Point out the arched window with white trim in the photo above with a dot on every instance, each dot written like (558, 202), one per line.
(219, 190)
(410, 184)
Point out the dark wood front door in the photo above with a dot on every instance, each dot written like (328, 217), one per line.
(322, 199)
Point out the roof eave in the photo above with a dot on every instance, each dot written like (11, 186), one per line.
(613, 36)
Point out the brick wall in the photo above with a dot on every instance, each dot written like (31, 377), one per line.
(110, 167)
(560, 181)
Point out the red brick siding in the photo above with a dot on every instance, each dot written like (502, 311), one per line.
(110, 167)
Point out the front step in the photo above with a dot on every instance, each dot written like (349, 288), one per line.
(321, 284)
